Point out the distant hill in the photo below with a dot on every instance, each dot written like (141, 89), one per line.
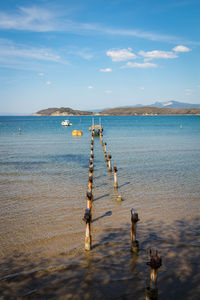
(175, 104)
(62, 111)
(148, 110)
(167, 104)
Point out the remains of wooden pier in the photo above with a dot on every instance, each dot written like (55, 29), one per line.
(155, 260)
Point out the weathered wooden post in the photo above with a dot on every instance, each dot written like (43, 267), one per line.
(91, 169)
(91, 164)
(90, 181)
(109, 163)
(88, 237)
(101, 136)
(155, 263)
(92, 142)
(89, 198)
(104, 147)
(115, 177)
(134, 220)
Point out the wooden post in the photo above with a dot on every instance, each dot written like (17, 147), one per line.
(90, 181)
(155, 263)
(91, 164)
(89, 197)
(100, 134)
(105, 156)
(91, 171)
(104, 148)
(109, 163)
(88, 237)
(134, 220)
(115, 177)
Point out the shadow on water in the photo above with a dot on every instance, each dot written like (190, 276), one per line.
(126, 183)
(100, 185)
(110, 270)
(105, 195)
(107, 214)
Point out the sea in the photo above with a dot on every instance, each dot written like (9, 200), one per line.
(43, 185)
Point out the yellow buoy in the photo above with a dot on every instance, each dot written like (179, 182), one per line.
(77, 133)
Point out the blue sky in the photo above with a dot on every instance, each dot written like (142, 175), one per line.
(93, 54)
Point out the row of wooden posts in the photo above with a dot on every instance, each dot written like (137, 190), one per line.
(155, 260)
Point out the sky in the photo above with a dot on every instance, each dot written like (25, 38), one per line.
(93, 54)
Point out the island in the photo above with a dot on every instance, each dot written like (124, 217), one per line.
(62, 111)
(120, 111)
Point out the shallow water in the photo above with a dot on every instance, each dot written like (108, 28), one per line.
(43, 182)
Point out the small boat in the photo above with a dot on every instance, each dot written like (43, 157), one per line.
(66, 123)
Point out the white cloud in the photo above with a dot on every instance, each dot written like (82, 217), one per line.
(84, 53)
(188, 92)
(48, 82)
(108, 92)
(41, 74)
(8, 50)
(141, 88)
(106, 70)
(181, 48)
(140, 65)
(158, 54)
(28, 18)
(121, 55)
(40, 19)
(90, 87)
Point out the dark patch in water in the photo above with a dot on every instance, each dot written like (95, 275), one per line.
(107, 214)
(103, 196)
(80, 159)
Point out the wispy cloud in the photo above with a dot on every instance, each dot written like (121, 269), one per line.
(188, 92)
(108, 92)
(23, 57)
(10, 49)
(121, 55)
(40, 19)
(28, 18)
(41, 74)
(139, 65)
(181, 48)
(105, 70)
(48, 82)
(158, 54)
(84, 53)
(90, 87)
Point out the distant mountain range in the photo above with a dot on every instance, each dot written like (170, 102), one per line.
(175, 104)
(167, 104)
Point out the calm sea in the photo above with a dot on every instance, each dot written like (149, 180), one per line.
(43, 183)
